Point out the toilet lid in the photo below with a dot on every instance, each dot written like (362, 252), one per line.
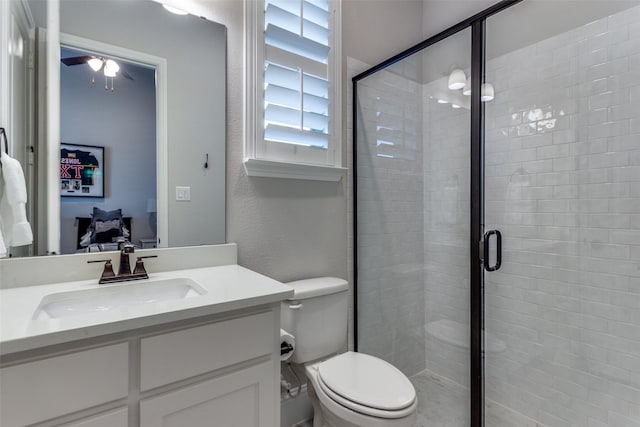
(368, 381)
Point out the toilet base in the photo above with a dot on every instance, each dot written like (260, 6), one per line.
(327, 413)
(325, 418)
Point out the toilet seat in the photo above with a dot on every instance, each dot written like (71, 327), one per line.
(365, 410)
(367, 385)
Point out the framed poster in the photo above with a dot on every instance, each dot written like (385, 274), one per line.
(81, 170)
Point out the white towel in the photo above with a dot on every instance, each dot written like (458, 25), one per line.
(14, 226)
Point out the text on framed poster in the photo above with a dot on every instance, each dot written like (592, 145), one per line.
(81, 170)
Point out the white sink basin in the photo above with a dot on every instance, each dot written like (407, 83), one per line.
(112, 297)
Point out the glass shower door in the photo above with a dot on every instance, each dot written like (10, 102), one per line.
(412, 240)
(562, 184)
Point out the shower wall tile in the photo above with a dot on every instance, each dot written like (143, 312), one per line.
(446, 229)
(390, 218)
(565, 306)
(562, 184)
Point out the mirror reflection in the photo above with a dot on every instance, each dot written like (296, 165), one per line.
(141, 144)
(107, 152)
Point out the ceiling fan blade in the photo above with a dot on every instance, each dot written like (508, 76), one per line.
(76, 60)
(125, 74)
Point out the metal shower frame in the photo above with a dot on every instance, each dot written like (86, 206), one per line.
(477, 150)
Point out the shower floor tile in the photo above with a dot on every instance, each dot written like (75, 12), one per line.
(443, 403)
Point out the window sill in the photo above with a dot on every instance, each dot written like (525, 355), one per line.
(274, 169)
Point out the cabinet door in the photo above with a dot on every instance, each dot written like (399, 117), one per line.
(195, 351)
(116, 418)
(245, 398)
(49, 388)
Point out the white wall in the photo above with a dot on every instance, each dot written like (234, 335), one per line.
(124, 122)
(374, 30)
(291, 229)
(442, 14)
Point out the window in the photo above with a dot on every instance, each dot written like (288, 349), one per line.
(293, 88)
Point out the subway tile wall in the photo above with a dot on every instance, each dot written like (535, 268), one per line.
(446, 134)
(390, 213)
(563, 186)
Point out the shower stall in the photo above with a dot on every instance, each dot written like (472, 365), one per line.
(497, 216)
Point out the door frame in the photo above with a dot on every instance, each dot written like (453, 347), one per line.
(159, 64)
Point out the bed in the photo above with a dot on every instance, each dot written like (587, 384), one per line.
(82, 226)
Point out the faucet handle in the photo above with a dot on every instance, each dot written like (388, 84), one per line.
(108, 269)
(139, 268)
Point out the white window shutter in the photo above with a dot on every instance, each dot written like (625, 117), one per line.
(293, 92)
(296, 73)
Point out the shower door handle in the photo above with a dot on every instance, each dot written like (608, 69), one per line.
(487, 238)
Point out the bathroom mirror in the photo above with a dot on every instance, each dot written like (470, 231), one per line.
(172, 191)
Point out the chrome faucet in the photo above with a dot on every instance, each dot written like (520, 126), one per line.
(124, 270)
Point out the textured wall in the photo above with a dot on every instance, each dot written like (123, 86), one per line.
(291, 229)
(286, 229)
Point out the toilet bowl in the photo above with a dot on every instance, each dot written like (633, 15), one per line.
(358, 390)
(348, 389)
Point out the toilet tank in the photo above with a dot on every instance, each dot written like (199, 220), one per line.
(317, 317)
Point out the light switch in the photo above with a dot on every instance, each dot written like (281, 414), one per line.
(183, 194)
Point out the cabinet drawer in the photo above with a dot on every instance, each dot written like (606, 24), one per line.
(37, 391)
(189, 352)
(245, 398)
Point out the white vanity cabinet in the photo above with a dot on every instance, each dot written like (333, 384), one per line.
(239, 399)
(52, 387)
(244, 397)
(218, 370)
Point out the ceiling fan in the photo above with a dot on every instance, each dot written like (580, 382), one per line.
(109, 67)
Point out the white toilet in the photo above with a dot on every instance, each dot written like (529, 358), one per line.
(349, 389)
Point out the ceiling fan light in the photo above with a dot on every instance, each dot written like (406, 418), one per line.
(112, 66)
(457, 79)
(95, 63)
(109, 72)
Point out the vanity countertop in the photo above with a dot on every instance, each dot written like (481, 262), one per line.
(227, 288)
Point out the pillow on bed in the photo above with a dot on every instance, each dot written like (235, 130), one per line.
(85, 240)
(106, 225)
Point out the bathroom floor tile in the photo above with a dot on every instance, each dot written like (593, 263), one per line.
(443, 403)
